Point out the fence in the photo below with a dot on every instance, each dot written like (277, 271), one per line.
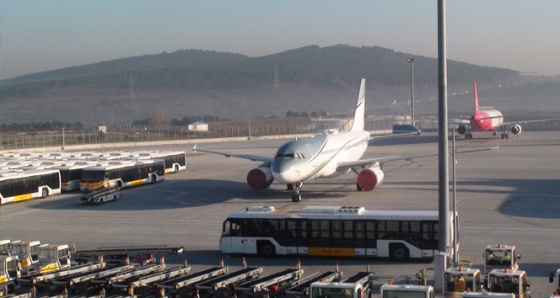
(254, 128)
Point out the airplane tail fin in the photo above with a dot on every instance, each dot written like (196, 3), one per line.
(476, 108)
(359, 114)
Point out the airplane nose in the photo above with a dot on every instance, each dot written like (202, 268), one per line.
(284, 173)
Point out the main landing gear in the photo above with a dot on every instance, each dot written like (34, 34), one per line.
(296, 187)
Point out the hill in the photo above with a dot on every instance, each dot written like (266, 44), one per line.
(228, 85)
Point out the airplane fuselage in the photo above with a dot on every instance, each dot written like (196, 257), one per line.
(486, 120)
(317, 156)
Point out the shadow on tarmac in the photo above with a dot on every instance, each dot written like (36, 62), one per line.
(531, 198)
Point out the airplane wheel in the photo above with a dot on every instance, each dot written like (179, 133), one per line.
(290, 186)
(296, 198)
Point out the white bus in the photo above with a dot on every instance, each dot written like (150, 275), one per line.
(124, 173)
(18, 186)
(71, 174)
(332, 231)
(174, 161)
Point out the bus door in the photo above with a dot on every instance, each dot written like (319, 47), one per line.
(298, 229)
(365, 240)
(232, 240)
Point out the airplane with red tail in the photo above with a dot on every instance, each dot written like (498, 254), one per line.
(490, 119)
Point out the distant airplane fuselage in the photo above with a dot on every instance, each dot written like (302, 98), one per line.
(486, 120)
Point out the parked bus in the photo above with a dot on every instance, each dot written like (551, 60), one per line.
(332, 231)
(71, 174)
(124, 173)
(18, 186)
(174, 161)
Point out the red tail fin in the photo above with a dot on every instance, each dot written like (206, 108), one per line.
(476, 109)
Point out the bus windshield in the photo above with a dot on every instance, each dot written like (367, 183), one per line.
(93, 176)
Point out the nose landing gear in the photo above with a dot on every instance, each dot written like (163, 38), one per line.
(296, 187)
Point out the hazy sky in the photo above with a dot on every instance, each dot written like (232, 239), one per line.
(43, 35)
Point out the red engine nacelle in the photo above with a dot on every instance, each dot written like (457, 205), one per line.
(260, 178)
(516, 129)
(369, 178)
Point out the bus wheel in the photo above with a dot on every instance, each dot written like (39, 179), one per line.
(44, 192)
(266, 249)
(153, 179)
(399, 252)
(176, 169)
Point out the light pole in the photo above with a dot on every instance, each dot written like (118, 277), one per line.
(411, 61)
(63, 136)
(249, 123)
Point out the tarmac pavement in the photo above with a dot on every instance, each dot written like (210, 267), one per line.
(510, 196)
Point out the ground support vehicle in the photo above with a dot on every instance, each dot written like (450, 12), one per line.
(223, 286)
(101, 196)
(554, 277)
(10, 272)
(269, 285)
(358, 285)
(137, 284)
(42, 282)
(52, 257)
(499, 256)
(301, 287)
(121, 254)
(509, 281)
(390, 290)
(184, 286)
(107, 283)
(81, 282)
(5, 246)
(458, 280)
(27, 251)
(486, 295)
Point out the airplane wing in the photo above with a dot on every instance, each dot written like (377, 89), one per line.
(387, 136)
(507, 124)
(264, 159)
(369, 162)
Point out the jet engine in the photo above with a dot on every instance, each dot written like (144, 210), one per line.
(461, 130)
(369, 178)
(260, 177)
(516, 129)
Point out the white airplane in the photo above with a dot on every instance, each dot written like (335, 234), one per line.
(321, 156)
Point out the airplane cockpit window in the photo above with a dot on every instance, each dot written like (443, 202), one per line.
(285, 156)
